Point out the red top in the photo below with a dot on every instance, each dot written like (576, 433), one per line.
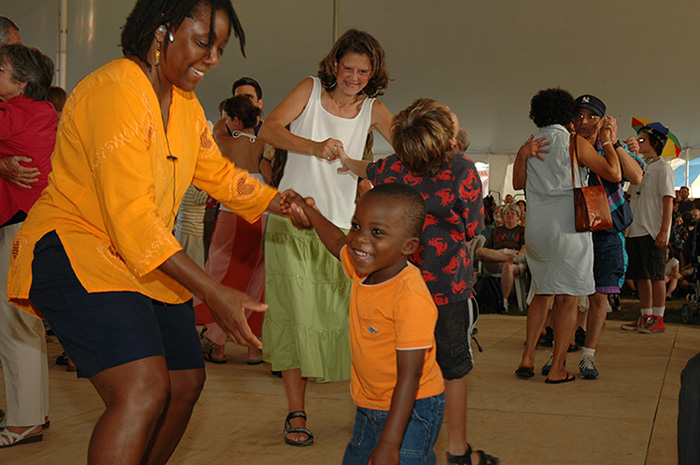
(27, 128)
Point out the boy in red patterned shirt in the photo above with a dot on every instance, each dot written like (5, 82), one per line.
(423, 136)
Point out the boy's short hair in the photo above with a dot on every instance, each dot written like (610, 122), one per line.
(421, 135)
(407, 201)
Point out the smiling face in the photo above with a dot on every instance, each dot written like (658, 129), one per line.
(379, 240)
(511, 218)
(352, 73)
(190, 56)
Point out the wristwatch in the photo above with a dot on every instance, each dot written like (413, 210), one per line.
(617, 145)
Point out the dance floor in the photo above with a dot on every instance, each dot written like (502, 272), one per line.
(627, 416)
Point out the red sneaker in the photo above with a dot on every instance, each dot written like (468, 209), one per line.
(654, 325)
(637, 325)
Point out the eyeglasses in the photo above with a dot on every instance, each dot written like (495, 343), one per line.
(591, 118)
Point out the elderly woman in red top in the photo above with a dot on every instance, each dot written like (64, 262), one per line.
(27, 127)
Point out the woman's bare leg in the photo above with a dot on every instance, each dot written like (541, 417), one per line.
(135, 394)
(565, 309)
(295, 386)
(185, 387)
(536, 315)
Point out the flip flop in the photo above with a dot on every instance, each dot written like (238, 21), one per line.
(525, 372)
(569, 377)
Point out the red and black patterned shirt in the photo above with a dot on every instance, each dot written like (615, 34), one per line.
(455, 214)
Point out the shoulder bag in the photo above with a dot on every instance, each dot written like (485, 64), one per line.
(590, 202)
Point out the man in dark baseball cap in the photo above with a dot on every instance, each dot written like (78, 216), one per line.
(592, 103)
(608, 245)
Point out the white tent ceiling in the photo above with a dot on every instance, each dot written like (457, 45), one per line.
(484, 59)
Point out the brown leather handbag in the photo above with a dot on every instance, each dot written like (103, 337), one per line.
(590, 202)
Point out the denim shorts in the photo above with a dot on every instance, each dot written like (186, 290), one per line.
(101, 330)
(609, 261)
(453, 338)
(418, 440)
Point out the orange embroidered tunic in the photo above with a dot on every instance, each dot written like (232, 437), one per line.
(117, 182)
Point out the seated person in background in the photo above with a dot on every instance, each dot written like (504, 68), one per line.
(671, 273)
(503, 244)
(684, 202)
(508, 200)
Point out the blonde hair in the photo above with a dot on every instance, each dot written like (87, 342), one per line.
(422, 136)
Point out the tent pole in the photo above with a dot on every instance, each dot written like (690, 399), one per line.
(687, 166)
(336, 19)
(62, 42)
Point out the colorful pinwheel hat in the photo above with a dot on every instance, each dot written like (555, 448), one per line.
(672, 149)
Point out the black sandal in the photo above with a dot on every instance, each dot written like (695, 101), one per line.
(466, 459)
(288, 430)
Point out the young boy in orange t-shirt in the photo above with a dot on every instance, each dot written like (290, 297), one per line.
(392, 323)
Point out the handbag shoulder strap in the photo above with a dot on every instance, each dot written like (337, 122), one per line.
(573, 155)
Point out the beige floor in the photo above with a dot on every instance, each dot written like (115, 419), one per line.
(627, 416)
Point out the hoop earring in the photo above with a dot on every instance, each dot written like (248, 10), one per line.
(368, 87)
(156, 60)
(324, 82)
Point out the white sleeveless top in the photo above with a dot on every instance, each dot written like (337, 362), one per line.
(333, 192)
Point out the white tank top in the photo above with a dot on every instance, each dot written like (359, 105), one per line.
(333, 192)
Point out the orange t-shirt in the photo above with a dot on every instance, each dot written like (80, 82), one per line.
(398, 314)
(115, 188)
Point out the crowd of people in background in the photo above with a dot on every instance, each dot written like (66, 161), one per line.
(360, 256)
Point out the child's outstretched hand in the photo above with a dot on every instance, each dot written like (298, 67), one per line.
(292, 204)
(343, 157)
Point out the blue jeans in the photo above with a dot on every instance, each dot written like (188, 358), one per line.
(689, 414)
(418, 441)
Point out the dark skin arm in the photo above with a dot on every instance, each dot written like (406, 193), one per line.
(227, 305)
(409, 364)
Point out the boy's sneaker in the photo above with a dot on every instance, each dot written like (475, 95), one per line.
(654, 325)
(636, 325)
(587, 367)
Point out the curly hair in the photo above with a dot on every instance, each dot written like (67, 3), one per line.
(552, 106)
(148, 15)
(407, 201)
(421, 135)
(354, 41)
(242, 108)
(31, 66)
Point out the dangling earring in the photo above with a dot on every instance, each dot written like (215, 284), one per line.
(171, 38)
(157, 55)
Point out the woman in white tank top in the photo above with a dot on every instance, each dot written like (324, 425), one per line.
(305, 333)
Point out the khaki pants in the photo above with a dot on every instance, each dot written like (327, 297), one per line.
(22, 352)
